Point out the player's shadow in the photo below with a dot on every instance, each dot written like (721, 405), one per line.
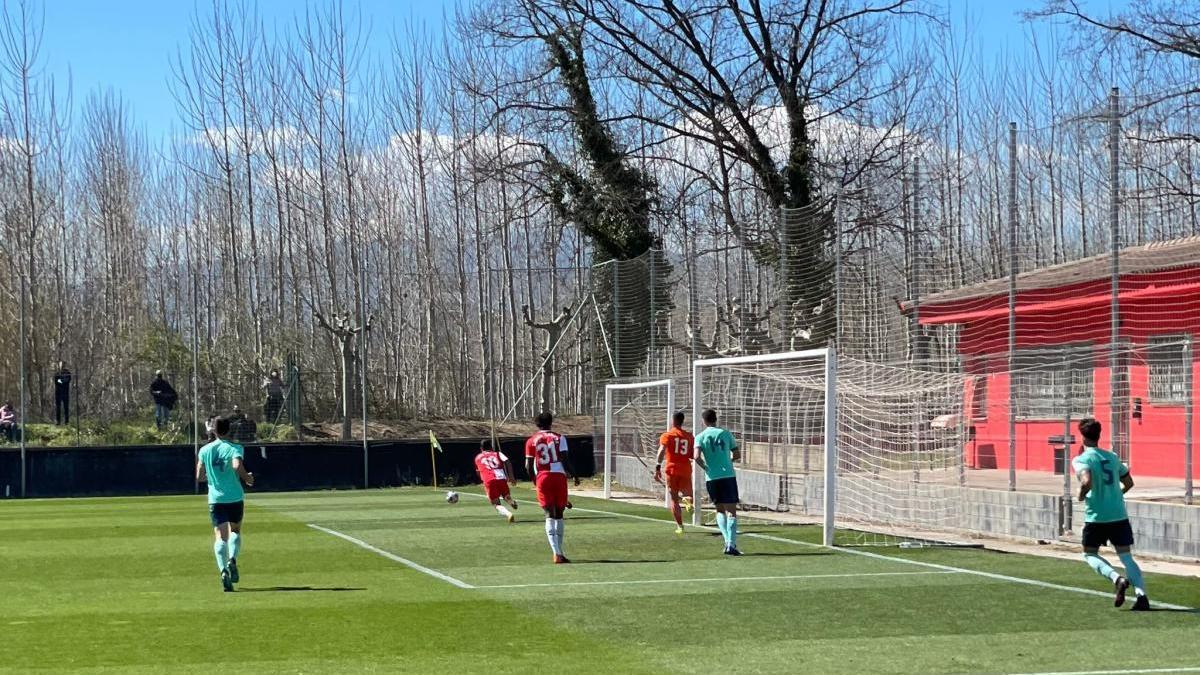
(293, 589)
(1194, 610)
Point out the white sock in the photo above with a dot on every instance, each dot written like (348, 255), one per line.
(558, 534)
(551, 535)
(503, 511)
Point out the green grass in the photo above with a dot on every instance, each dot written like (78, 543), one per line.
(129, 586)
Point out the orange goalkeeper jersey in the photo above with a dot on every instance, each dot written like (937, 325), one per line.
(681, 448)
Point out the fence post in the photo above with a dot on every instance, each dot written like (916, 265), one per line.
(1117, 410)
(1013, 264)
(1188, 405)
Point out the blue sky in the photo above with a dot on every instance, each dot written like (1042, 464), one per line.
(127, 45)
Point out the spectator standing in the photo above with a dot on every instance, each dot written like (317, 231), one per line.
(164, 399)
(62, 394)
(274, 387)
(8, 421)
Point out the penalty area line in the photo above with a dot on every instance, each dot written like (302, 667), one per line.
(1131, 671)
(630, 582)
(393, 557)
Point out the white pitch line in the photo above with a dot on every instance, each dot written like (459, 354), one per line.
(393, 557)
(1188, 669)
(715, 579)
(906, 561)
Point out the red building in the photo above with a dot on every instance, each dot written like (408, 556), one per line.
(1061, 363)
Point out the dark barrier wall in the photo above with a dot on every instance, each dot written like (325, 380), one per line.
(168, 469)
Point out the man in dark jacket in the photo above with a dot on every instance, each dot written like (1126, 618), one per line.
(164, 399)
(62, 394)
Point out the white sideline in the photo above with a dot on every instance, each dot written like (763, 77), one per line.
(1190, 669)
(393, 557)
(906, 561)
(1187, 669)
(715, 579)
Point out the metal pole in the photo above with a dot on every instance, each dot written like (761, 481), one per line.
(362, 354)
(608, 438)
(1187, 420)
(697, 401)
(915, 277)
(616, 332)
(1066, 469)
(1012, 305)
(653, 318)
(1114, 362)
(670, 425)
(24, 423)
(837, 277)
(831, 431)
(195, 377)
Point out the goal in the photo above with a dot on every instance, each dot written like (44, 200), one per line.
(873, 453)
(635, 414)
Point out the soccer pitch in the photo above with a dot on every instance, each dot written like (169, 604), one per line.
(400, 581)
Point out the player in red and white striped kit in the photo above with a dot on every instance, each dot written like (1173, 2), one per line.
(546, 458)
(495, 471)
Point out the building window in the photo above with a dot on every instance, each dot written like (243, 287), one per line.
(1053, 383)
(1168, 359)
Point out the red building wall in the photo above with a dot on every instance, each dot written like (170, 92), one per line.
(1156, 437)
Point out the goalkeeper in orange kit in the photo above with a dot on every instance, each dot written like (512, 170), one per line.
(678, 448)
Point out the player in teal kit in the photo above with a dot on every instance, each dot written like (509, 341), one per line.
(718, 452)
(221, 466)
(1103, 482)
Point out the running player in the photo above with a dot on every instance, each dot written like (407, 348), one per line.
(496, 473)
(1103, 481)
(718, 452)
(678, 447)
(221, 466)
(546, 458)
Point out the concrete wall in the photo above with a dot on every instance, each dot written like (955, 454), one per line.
(1160, 529)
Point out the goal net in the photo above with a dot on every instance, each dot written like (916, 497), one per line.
(635, 415)
(874, 453)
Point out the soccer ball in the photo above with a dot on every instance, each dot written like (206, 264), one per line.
(452, 497)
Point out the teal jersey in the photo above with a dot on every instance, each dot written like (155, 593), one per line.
(224, 486)
(716, 448)
(1105, 501)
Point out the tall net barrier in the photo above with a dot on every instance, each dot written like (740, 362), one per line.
(895, 442)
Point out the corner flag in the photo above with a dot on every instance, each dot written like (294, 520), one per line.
(433, 442)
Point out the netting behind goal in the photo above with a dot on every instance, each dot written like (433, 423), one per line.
(635, 415)
(897, 442)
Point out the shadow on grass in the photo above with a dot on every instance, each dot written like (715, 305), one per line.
(291, 589)
(1194, 610)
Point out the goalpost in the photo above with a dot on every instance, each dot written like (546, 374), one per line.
(873, 453)
(635, 414)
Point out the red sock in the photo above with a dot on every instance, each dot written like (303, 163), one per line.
(677, 512)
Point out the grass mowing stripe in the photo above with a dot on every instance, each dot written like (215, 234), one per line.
(906, 561)
(1192, 669)
(392, 556)
(620, 582)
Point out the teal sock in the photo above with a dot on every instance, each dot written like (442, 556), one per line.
(1101, 566)
(1133, 573)
(723, 526)
(235, 545)
(731, 525)
(221, 550)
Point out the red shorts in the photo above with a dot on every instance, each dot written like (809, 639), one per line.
(552, 490)
(681, 483)
(496, 489)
